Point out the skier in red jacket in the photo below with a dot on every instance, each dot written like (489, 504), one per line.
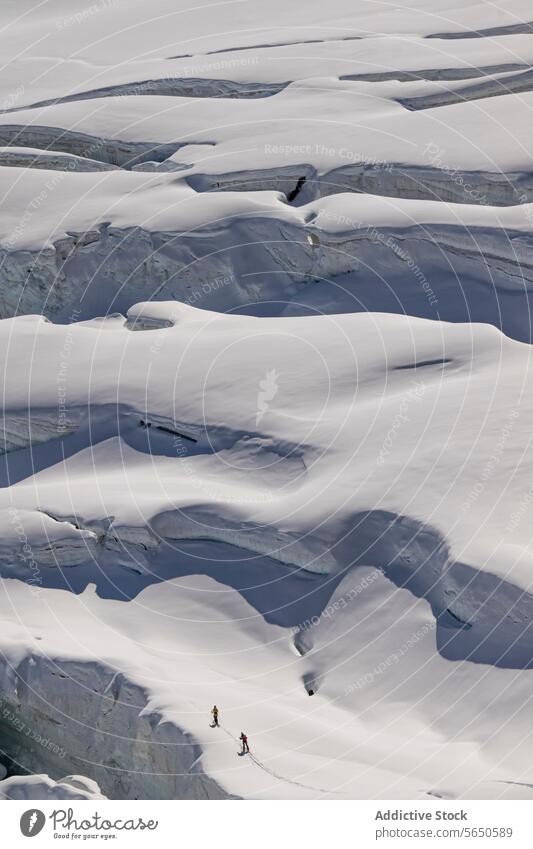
(244, 739)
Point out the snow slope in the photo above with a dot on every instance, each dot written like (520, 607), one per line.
(265, 300)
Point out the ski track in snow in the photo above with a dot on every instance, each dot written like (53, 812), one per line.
(266, 290)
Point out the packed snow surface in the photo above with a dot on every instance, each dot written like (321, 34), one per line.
(266, 279)
(75, 787)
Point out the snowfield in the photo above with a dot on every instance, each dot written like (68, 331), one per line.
(266, 281)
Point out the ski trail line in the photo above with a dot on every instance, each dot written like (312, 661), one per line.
(266, 769)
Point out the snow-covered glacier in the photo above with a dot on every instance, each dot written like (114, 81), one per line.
(266, 287)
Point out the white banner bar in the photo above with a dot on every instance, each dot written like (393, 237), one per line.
(263, 825)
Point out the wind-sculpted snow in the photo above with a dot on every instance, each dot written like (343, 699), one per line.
(392, 179)
(75, 787)
(266, 287)
(489, 32)
(263, 71)
(169, 421)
